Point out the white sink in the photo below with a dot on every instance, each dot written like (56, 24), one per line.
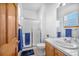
(66, 44)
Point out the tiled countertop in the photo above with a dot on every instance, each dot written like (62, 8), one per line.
(68, 52)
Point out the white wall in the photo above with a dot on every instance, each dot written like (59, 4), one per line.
(42, 17)
(51, 20)
(47, 16)
(29, 14)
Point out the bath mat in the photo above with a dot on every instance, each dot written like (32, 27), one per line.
(27, 53)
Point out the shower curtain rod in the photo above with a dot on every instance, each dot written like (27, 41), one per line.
(29, 18)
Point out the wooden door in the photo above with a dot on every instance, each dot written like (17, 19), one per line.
(11, 22)
(2, 24)
(12, 25)
(9, 43)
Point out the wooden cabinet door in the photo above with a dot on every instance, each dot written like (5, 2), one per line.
(2, 24)
(58, 53)
(52, 51)
(49, 49)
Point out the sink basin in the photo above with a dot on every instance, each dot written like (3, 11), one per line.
(65, 44)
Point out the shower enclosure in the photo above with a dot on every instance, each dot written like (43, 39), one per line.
(31, 32)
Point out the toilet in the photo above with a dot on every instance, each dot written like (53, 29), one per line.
(41, 49)
(41, 45)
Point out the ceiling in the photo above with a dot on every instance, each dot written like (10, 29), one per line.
(31, 6)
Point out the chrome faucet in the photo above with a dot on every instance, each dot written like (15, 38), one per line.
(68, 41)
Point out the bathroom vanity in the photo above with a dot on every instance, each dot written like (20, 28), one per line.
(52, 51)
(53, 48)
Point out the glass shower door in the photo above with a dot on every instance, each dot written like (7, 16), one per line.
(36, 32)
